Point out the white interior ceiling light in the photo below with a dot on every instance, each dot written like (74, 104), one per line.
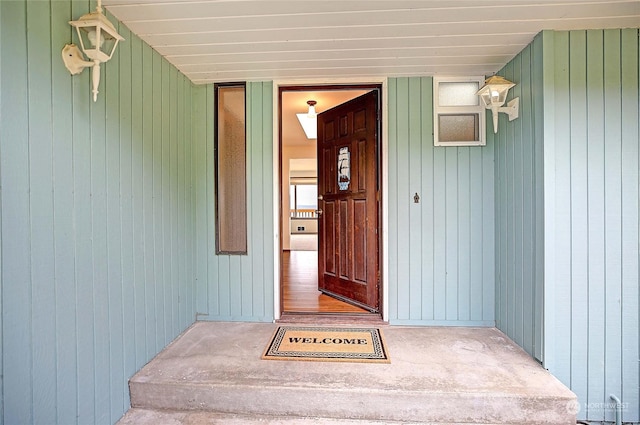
(493, 95)
(98, 39)
(308, 120)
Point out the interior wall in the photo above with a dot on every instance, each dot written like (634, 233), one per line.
(96, 207)
(591, 217)
(520, 204)
(289, 153)
(441, 249)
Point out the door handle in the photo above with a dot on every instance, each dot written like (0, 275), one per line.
(320, 198)
(318, 213)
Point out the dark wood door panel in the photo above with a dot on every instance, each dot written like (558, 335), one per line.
(328, 236)
(360, 241)
(326, 178)
(348, 165)
(361, 169)
(344, 252)
(344, 289)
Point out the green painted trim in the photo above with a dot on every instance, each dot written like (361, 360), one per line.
(548, 60)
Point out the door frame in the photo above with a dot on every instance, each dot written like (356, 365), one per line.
(384, 181)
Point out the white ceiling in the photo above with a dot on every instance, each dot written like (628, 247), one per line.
(357, 40)
(295, 102)
(259, 40)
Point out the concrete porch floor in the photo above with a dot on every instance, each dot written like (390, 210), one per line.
(214, 373)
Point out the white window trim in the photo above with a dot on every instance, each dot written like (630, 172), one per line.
(453, 110)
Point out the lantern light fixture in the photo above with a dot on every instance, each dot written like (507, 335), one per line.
(308, 120)
(98, 40)
(493, 95)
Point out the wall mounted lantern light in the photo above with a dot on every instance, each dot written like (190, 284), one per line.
(98, 40)
(308, 120)
(493, 95)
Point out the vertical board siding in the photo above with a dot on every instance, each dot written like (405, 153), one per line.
(579, 198)
(236, 287)
(630, 223)
(519, 205)
(96, 217)
(576, 142)
(1, 334)
(441, 250)
(66, 319)
(107, 227)
(201, 188)
(41, 209)
(612, 260)
(596, 207)
(537, 116)
(16, 258)
(592, 321)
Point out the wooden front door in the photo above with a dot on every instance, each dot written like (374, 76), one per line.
(348, 260)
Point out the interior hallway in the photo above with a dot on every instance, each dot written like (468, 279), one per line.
(300, 281)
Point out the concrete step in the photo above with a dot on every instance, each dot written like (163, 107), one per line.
(436, 375)
(165, 417)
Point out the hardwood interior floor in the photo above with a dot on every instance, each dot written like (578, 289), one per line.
(300, 286)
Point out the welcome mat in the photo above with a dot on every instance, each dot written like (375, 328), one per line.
(327, 344)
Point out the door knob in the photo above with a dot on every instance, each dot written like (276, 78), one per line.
(318, 213)
(320, 198)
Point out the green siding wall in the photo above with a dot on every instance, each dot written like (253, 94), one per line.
(236, 287)
(441, 250)
(428, 284)
(591, 224)
(96, 218)
(107, 232)
(567, 214)
(520, 205)
(1, 243)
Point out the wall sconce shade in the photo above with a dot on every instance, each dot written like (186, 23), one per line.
(493, 95)
(98, 37)
(98, 40)
(309, 120)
